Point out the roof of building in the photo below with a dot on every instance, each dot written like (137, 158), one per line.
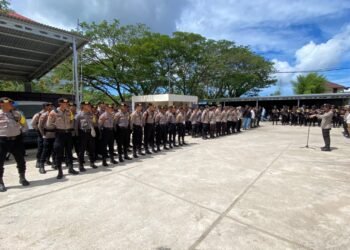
(280, 98)
(29, 50)
(333, 85)
(165, 98)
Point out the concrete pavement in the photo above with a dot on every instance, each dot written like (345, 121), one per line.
(256, 190)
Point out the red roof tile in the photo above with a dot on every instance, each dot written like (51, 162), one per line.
(333, 85)
(20, 17)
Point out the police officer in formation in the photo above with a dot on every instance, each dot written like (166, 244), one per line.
(62, 120)
(11, 140)
(84, 127)
(106, 126)
(136, 125)
(122, 122)
(40, 140)
(161, 129)
(155, 129)
(48, 135)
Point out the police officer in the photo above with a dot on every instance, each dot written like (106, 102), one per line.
(75, 137)
(122, 121)
(96, 112)
(180, 122)
(188, 124)
(326, 125)
(205, 122)
(106, 125)
(161, 128)
(217, 115)
(171, 121)
(230, 127)
(62, 121)
(212, 122)
(193, 120)
(148, 120)
(40, 140)
(11, 141)
(275, 115)
(84, 128)
(136, 125)
(48, 137)
(224, 115)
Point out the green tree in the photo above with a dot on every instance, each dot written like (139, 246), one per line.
(11, 86)
(122, 61)
(311, 83)
(4, 5)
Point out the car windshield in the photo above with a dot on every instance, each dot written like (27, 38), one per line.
(29, 110)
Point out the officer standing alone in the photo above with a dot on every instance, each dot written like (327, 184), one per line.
(326, 126)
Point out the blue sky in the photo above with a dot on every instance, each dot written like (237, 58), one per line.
(296, 35)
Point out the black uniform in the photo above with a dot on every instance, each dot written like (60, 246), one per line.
(122, 121)
(86, 132)
(62, 121)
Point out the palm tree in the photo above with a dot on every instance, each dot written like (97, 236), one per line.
(311, 83)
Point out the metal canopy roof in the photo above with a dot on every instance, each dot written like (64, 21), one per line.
(282, 98)
(28, 50)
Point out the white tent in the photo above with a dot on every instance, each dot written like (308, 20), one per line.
(165, 99)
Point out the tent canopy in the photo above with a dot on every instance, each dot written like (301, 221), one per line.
(29, 50)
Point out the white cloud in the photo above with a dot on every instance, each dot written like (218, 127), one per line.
(262, 24)
(160, 15)
(312, 56)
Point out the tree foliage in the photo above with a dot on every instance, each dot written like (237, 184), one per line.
(125, 60)
(311, 83)
(132, 60)
(4, 5)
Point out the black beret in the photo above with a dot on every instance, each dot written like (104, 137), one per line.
(6, 100)
(63, 100)
(85, 103)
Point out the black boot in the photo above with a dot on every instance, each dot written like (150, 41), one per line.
(37, 165)
(140, 152)
(104, 162)
(113, 161)
(148, 152)
(42, 168)
(54, 166)
(60, 172)
(134, 154)
(48, 162)
(158, 148)
(165, 147)
(81, 168)
(72, 171)
(121, 159)
(126, 157)
(2, 186)
(154, 150)
(92, 165)
(22, 180)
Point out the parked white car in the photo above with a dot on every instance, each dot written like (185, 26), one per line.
(29, 109)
